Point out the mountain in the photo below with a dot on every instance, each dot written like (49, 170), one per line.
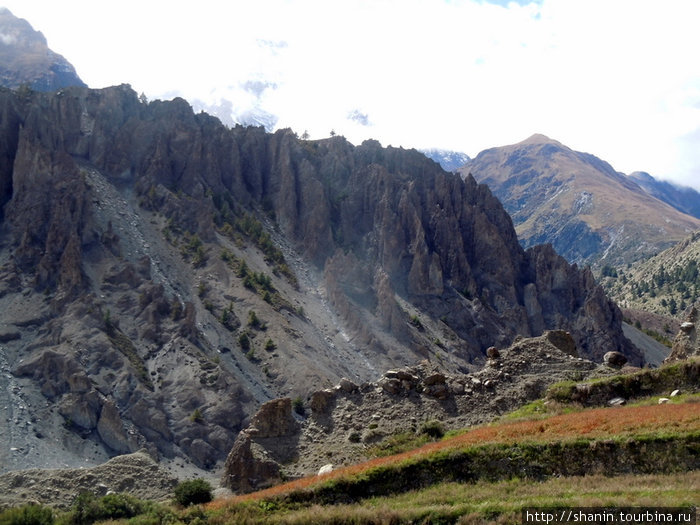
(682, 198)
(590, 213)
(162, 275)
(25, 58)
(667, 284)
(449, 160)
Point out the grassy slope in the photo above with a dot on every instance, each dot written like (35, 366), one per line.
(498, 460)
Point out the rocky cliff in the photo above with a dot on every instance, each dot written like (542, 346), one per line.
(163, 275)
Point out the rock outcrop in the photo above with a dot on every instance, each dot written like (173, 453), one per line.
(138, 237)
(348, 419)
(686, 343)
(254, 461)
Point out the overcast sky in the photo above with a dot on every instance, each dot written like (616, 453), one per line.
(616, 78)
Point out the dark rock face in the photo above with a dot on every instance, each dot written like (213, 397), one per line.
(254, 461)
(387, 230)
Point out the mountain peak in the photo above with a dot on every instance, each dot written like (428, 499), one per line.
(539, 138)
(25, 58)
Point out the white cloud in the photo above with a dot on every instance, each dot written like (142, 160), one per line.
(7, 39)
(618, 79)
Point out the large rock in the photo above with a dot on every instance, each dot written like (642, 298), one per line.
(254, 461)
(686, 343)
(273, 420)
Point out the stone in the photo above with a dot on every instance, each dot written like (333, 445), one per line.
(563, 341)
(664, 400)
(347, 386)
(434, 379)
(274, 419)
(675, 393)
(493, 353)
(392, 386)
(686, 343)
(247, 468)
(614, 359)
(110, 428)
(321, 402)
(617, 401)
(325, 469)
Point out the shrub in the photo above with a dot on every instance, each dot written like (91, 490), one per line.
(434, 429)
(298, 406)
(89, 508)
(27, 515)
(193, 492)
(244, 341)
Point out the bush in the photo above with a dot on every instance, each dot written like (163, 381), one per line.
(298, 406)
(89, 508)
(27, 515)
(434, 429)
(193, 492)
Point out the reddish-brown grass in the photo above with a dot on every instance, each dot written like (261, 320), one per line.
(594, 423)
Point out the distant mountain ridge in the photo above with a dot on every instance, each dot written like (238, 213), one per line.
(25, 58)
(449, 160)
(682, 198)
(589, 212)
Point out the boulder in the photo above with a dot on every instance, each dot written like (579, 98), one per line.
(614, 359)
(325, 469)
(563, 341)
(321, 402)
(248, 467)
(274, 419)
(347, 386)
(493, 353)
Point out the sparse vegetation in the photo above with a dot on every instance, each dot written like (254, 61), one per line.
(298, 406)
(416, 323)
(193, 492)
(433, 429)
(234, 222)
(666, 284)
(647, 382)
(89, 508)
(244, 341)
(31, 514)
(196, 416)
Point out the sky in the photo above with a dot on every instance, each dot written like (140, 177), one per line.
(616, 78)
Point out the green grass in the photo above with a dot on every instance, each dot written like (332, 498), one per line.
(481, 502)
(684, 375)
